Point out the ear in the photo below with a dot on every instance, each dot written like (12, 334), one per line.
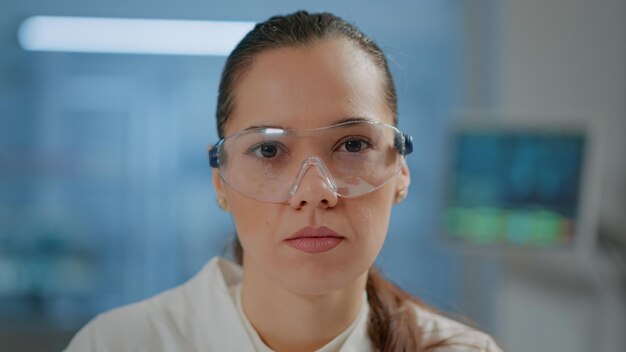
(403, 179)
(218, 185)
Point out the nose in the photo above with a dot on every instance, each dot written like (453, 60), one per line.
(315, 188)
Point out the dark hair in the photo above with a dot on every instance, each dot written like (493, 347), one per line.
(297, 29)
(392, 322)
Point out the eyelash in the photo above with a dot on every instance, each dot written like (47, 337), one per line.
(281, 149)
(255, 148)
(368, 143)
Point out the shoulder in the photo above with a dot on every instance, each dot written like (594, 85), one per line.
(438, 330)
(163, 322)
(120, 329)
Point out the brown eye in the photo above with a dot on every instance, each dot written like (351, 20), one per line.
(354, 146)
(268, 150)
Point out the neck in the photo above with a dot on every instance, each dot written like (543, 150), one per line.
(289, 321)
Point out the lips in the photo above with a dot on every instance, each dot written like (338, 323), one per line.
(314, 240)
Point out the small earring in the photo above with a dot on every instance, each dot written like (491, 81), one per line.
(222, 203)
(401, 195)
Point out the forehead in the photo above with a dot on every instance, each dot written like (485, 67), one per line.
(309, 87)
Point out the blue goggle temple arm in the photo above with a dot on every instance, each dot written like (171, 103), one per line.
(404, 144)
(213, 157)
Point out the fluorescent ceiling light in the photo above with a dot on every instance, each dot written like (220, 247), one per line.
(131, 36)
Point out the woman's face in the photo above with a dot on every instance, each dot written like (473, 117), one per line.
(303, 88)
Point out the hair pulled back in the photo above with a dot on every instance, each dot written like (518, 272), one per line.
(392, 324)
(295, 30)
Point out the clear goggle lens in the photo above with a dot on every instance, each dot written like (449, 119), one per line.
(354, 158)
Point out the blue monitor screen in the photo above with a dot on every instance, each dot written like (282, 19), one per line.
(517, 188)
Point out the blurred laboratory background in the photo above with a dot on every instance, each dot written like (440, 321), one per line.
(516, 217)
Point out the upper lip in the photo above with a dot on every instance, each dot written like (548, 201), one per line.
(309, 231)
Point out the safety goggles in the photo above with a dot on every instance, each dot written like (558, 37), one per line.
(353, 158)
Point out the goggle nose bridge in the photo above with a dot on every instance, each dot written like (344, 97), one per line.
(307, 163)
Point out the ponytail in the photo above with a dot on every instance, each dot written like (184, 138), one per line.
(392, 322)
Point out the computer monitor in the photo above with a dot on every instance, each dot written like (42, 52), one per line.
(520, 183)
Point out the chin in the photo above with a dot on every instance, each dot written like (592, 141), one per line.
(321, 279)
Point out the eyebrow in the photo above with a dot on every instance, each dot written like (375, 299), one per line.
(353, 119)
(254, 127)
(344, 120)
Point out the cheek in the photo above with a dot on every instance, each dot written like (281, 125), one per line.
(254, 220)
(369, 218)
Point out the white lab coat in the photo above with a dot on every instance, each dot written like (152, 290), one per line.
(204, 314)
